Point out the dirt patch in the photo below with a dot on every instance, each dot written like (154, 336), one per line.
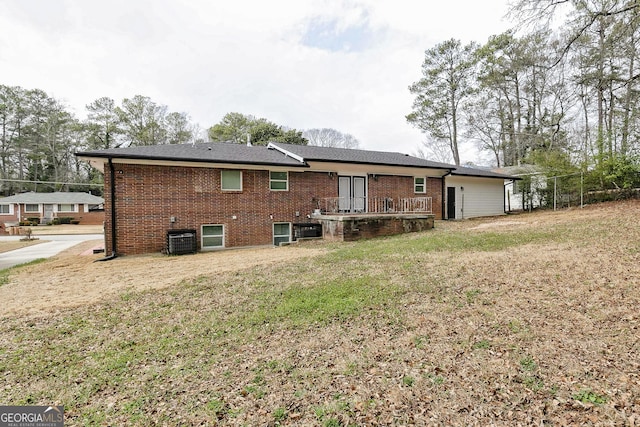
(500, 224)
(72, 279)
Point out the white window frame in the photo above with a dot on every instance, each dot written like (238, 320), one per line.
(416, 185)
(10, 205)
(26, 211)
(97, 206)
(74, 208)
(272, 180)
(202, 237)
(221, 180)
(275, 236)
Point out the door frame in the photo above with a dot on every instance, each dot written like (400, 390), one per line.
(48, 212)
(353, 201)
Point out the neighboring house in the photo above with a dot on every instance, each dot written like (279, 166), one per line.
(526, 193)
(84, 207)
(472, 192)
(226, 195)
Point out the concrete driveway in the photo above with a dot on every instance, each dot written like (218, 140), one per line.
(54, 245)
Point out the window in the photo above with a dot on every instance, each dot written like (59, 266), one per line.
(281, 233)
(279, 181)
(66, 207)
(30, 207)
(212, 236)
(5, 210)
(419, 185)
(231, 180)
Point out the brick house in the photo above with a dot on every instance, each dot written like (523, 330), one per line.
(46, 207)
(231, 195)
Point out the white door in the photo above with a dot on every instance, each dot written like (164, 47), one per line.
(344, 193)
(359, 194)
(352, 191)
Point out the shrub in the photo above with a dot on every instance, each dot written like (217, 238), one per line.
(34, 220)
(75, 221)
(65, 220)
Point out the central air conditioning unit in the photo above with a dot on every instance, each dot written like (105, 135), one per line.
(181, 242)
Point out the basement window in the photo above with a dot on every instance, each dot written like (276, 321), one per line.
(419, 184)
(281, 233)
(212, 237)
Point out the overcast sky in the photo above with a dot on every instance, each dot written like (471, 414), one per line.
(343, 64)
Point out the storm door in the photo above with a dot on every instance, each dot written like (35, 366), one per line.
(48, 213)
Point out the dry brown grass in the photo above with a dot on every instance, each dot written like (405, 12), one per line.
(13, 245)
(529, 319)
(74, 278)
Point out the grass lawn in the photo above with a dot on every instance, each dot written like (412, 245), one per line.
(532, 320)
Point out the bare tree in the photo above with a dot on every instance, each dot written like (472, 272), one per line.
(327, 137)
(437, 151)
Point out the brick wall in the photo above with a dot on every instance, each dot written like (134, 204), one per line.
(147, 197)
(402, 186)
(434, 190)
(85, 217)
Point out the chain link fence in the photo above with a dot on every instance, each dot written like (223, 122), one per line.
(563, 191)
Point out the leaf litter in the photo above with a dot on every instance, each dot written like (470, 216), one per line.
(540, 333)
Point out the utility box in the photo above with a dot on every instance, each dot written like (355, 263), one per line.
(181, 242)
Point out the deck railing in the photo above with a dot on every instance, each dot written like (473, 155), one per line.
(331, 205)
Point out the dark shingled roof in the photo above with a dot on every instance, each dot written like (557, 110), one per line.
(211, 152)
(226, 152)
(221, 152)
(348, 155)
(482, 173)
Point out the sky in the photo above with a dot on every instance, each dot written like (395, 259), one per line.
(341, 64)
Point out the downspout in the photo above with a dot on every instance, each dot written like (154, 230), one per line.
(113, 212)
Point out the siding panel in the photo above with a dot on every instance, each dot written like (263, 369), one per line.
(480, 197)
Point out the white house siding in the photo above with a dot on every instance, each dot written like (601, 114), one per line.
(476, 197)
(513, 193)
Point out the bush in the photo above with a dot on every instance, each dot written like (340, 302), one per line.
(65, 220)
(33, 221)
(75, 221)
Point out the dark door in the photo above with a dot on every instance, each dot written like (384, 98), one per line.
(451, 202)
